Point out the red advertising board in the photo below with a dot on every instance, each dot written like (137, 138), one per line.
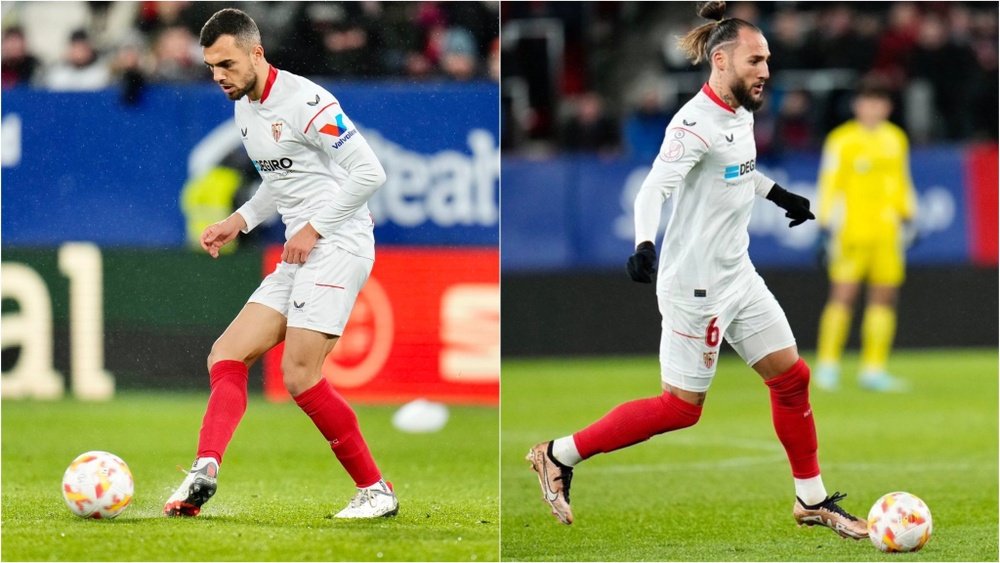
(982, 196)
(426, 325)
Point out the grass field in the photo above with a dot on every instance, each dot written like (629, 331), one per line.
(721, 490)
(277, 486)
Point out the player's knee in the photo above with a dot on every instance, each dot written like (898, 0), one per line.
(679, 412)
(296, 375)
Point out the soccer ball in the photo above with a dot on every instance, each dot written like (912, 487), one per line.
(899, 522)
(97, 485)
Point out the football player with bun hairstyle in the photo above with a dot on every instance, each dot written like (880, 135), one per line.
(706, 287)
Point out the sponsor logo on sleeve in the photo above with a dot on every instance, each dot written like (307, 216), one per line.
(675, 150)
(342, 130)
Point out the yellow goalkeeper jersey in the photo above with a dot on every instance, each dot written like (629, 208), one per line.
(865, 190)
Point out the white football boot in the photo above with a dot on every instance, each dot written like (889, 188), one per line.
(197, 487)
(372, 502)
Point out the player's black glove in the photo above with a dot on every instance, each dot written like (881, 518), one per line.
(642, 264)
(822, 249)
(797, 207)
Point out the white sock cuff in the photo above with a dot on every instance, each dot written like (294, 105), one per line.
(811, 490)
(565, 452)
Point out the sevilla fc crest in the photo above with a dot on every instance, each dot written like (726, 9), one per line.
(276, 130)
(709, 359)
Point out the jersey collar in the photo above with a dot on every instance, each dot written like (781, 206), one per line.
(272, 73)
(707, 91)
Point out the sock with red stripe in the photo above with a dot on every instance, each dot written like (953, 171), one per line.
(793, 419)
(635, 421)
(339, 425)
(226, 405)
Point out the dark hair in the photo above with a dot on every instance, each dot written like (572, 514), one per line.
(700, 42)
(874, 87)
(230, 21)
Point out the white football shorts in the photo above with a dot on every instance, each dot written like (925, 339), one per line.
(319, 294)
(751, 321)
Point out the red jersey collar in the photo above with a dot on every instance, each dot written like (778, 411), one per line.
(272, 73)
(706, 89)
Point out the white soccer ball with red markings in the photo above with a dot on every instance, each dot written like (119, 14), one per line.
(97, 485)
(899, 522)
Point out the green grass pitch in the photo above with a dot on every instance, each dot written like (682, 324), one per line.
(277, 487)
(722, 490)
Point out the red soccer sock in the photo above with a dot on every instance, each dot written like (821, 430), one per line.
(339, 425)
(226, 405)
(793, 419)
(635, 421)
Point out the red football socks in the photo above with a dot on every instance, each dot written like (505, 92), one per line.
(226, 405)
(339, 425)
(793, 419)
(635, 421)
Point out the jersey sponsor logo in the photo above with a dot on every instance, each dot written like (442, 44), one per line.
(737, 170)
(243, 130)
(730, 138)
(675, 150)
(344, 139)
(277, 167)
(276, 130)
(335, 130)
(314, 102)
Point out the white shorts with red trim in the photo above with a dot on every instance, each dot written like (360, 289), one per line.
(319, 294)
(751, 321)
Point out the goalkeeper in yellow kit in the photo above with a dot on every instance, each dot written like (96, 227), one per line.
(866, 207)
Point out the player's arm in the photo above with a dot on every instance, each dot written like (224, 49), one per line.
(333, 132)
(905, 195)
(681, 150)
(830, 182)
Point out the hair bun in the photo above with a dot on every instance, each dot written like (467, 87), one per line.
(712, 10)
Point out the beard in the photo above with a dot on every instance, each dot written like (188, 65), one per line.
(251, 84)
(743, 96)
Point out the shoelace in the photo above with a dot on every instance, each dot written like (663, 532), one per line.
(830, 503)
(365, 496)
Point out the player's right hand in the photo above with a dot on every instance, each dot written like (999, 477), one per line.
(642, 264)
(217, 235)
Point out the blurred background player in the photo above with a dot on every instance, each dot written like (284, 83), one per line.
(707, 288)
(318, 173)
(866, 208)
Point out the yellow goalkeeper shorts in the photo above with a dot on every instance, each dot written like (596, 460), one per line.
(880, 262)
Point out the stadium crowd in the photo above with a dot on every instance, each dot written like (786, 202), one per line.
(607, 76)
(81, 46)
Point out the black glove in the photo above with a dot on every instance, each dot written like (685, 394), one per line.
(642, 264)
(797, 207)
(822, 252)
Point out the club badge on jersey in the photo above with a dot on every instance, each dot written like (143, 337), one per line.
(276, 130)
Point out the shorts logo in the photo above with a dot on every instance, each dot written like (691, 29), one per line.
(709, 359)
(276, 130)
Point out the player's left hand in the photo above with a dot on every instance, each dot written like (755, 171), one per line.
(797, 207)
(298, 247)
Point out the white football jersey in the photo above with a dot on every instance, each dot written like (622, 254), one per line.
(298, 136)
(707, 163)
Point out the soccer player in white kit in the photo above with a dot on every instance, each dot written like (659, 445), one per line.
(318, 173)
(707, 288)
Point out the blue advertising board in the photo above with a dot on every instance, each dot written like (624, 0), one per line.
(576, 211)
(84, 166)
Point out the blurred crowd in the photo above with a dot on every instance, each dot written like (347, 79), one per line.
(607, 76)
(80, 46)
